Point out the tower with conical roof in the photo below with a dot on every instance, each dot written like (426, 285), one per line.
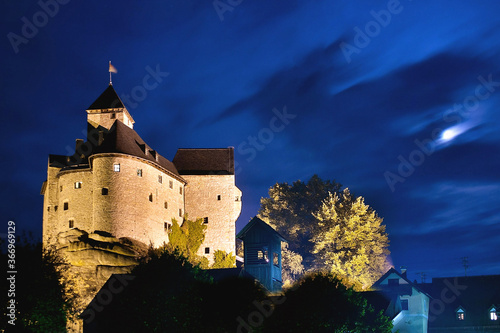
(107, 108)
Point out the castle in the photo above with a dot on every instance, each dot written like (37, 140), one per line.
(117, 187)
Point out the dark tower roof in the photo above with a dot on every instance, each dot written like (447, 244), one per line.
(108, 100)
(122, 139)
(118, 139)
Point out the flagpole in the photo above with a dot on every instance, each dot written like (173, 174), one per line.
(110, 82)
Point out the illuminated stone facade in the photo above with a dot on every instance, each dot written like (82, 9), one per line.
(116, 184)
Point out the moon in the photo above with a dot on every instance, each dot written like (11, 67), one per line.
(449, 134)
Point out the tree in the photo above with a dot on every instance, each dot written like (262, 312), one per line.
(351, 241)
(44, 299)
(321, 303)
(187, 239)
(289, 210)
(164, 295)
(169, 294)
(299, 212)
(292, 268)
(223, 260)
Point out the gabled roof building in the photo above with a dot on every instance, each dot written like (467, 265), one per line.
(262, 253)
(464, 304)
(402, 301)
(453, 304)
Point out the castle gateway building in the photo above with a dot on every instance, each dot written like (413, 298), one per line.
(116, 183)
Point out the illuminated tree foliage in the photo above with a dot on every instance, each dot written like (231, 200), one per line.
(187, 239)
(223, 259)
(292, 268)
(351, 241)
(315, 217)
(289, 210)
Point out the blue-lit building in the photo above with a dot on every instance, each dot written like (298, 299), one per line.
(262, 253)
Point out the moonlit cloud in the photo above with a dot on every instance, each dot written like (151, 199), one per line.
(453, 132)
(460, 205)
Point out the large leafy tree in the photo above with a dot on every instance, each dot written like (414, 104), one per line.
(321, 303)
(351, 241)
(315, 217)
(289, 209)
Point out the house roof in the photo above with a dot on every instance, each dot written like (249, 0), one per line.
(107, 100)
(118, 139)
(123, 139)
(401, 289)
(204, 161)
(474, 294)
(220, 274)
(258, 223)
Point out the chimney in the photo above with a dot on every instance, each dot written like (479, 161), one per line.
(79, 142)
(403, 271)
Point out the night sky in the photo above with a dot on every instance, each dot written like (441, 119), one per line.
(398, 101)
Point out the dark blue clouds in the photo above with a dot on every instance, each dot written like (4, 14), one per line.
(355, 117)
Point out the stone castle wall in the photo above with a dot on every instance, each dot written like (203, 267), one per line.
(217, 198)
(50, 200)
(126, 211)
(77, 198)
(117, 202)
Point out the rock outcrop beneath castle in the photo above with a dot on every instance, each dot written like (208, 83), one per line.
(94, 257)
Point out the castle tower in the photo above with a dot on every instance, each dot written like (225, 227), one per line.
(114, 182)
(211, 194)
(107, 108)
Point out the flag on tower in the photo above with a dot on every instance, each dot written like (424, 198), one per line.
(112, 68)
